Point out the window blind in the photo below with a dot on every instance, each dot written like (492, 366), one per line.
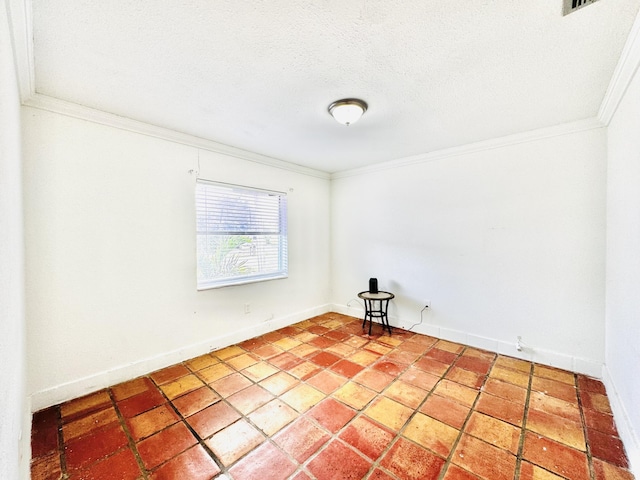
(241, 234)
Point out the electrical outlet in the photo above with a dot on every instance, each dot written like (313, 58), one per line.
(427, 303)
(247, 308)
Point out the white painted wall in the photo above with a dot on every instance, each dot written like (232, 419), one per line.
(623, 270)
(14, 411)
(110, 244)
(504, 242)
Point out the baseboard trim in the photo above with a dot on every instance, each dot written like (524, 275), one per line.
(628, 434)
(77, 388)
(542, 356)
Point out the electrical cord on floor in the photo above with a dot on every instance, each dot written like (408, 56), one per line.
(415, 324)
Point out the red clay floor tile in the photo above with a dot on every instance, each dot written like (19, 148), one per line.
(478, 365)
(378, 474)
(46, 467)
(152, 421)
(408, 461)
(249, 399)
(484, 460)
(331, 414)
(601, 422)
(89, 424)
(339, 462)
(165, 445)
(555, 389)
(373, 379)
(131, 388)
(390, 368)
(606, 471)
(137, 404)
(508, 391)
(589, 384)
(347, 368)
(465, 377)
(500, 408)
(88, 449)
(607, 448)
(432, 366)
(367, 437)
(230, 384)
(84, 406)
(122, 466)
(327, 381)
(556, 457)
(193, 464)
(596, 401)
(264, 463)
(324, 359)
(273, 416)
(213, 419)
(234, 442)
(432, 434)
(301, 439)
(195, 401)
(454, 472)
(169, 374)
(44, 432)
(442, 356)
(446, 410)
(419, 378)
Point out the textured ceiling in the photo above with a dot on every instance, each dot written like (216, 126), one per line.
(259, 75)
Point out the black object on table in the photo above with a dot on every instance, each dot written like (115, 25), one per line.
(381, 301)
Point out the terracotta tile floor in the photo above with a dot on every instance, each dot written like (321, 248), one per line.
(323, 400)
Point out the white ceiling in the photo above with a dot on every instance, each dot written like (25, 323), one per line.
(259, 75)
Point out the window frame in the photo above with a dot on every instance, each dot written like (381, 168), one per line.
(243, 193)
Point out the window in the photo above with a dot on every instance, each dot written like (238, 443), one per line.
(241, 234)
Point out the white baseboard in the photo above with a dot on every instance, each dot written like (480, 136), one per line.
(537, 355)
(545, 357)
(86, 385)
(628, 434)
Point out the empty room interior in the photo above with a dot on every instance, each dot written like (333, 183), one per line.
(489, 180)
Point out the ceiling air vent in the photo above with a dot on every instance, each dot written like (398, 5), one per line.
(570, 6)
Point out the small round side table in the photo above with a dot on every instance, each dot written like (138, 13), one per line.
(375, 306)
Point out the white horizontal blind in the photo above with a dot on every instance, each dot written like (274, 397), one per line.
(241, 234)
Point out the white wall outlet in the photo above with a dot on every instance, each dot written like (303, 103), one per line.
(519, 344)
(427, 303)
(247, 308)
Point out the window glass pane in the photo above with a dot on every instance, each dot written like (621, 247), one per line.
(241, 234)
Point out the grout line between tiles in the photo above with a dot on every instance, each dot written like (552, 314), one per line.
(61, 454)
(449, 459)
(201, 441)
(523, 429)
(587, 444)
(131, 442)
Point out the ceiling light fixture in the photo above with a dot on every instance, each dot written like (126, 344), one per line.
(347, 110)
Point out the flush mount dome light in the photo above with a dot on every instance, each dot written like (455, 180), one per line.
(347, 110)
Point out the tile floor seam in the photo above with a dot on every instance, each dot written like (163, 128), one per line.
(587, 443)
(62, 457)
(130, 441)
(360, 413)
(200, 441)
(449, 459)
(523, 428)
